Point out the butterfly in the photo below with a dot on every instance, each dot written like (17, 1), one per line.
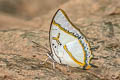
(67, 43)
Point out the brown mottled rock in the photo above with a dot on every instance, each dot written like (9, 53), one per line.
(22, 40)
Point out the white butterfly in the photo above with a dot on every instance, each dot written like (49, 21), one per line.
(68, 45)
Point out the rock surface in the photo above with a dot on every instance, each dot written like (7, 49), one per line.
(24, 30)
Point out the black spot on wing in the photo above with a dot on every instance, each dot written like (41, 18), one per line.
(79, 37)
(60, 44)
(53, 44)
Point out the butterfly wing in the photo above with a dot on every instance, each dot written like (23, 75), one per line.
(68, 44)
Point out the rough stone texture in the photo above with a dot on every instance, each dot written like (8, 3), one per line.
(24, 30)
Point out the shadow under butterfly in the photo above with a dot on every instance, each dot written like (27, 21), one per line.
(68, 45)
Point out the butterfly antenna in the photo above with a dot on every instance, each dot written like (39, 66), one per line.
(38, 45)
(48, 52)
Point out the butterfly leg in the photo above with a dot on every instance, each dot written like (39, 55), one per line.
(53, 65)
(45, 61)
(50, 56)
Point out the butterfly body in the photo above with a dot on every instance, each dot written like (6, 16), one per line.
(68, 45)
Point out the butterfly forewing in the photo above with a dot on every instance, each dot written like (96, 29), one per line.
(68, 45)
